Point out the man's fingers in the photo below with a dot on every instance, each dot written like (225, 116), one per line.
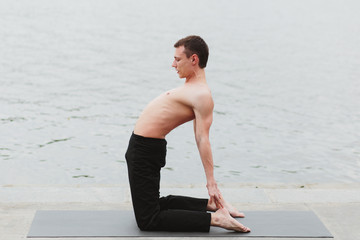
(215, 197)
(211, 200)
(218, 202)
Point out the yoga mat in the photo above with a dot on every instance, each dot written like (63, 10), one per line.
(114, 223)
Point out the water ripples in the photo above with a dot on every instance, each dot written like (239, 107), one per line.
(76, 75)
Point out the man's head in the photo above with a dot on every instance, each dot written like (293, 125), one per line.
(195, 45)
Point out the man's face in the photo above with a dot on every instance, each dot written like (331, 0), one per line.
(181, 63)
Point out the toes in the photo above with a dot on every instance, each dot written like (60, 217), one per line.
(245, 229)
(240, 215)
(237, 214)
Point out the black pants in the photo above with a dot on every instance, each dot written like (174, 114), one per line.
(145, 157)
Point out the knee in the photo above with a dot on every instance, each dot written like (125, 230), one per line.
(142, 226)
(145, 226)
(146, 223)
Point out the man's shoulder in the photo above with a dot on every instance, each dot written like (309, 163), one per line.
(203, 92)
(195, 95)
(198, 89)
(202, 97)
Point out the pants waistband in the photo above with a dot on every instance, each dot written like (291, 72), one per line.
(148, 139)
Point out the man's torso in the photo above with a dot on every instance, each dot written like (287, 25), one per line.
(169, 110)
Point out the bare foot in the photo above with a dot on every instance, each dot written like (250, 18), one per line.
(232, 210)
(222, 218)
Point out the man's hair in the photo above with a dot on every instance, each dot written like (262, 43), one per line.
(195, 45)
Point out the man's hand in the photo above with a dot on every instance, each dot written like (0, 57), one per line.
(217, 202)
(215, 195)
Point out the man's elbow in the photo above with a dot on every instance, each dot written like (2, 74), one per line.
(201, 139)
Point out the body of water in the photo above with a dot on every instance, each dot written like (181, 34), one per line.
(75, 75)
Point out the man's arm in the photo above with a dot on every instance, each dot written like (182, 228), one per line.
(203, 110)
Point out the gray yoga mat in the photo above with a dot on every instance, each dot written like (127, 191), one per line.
(116, 223)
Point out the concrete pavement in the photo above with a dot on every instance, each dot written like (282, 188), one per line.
(337, 205)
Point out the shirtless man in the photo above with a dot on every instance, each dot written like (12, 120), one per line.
(147, 150)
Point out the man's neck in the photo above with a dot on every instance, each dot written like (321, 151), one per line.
(197, 77)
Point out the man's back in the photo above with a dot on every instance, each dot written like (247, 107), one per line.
(174, 108)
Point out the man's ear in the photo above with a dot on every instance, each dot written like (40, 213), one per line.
(194, 59)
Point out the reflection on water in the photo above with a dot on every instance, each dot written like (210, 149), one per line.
(76, 74)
